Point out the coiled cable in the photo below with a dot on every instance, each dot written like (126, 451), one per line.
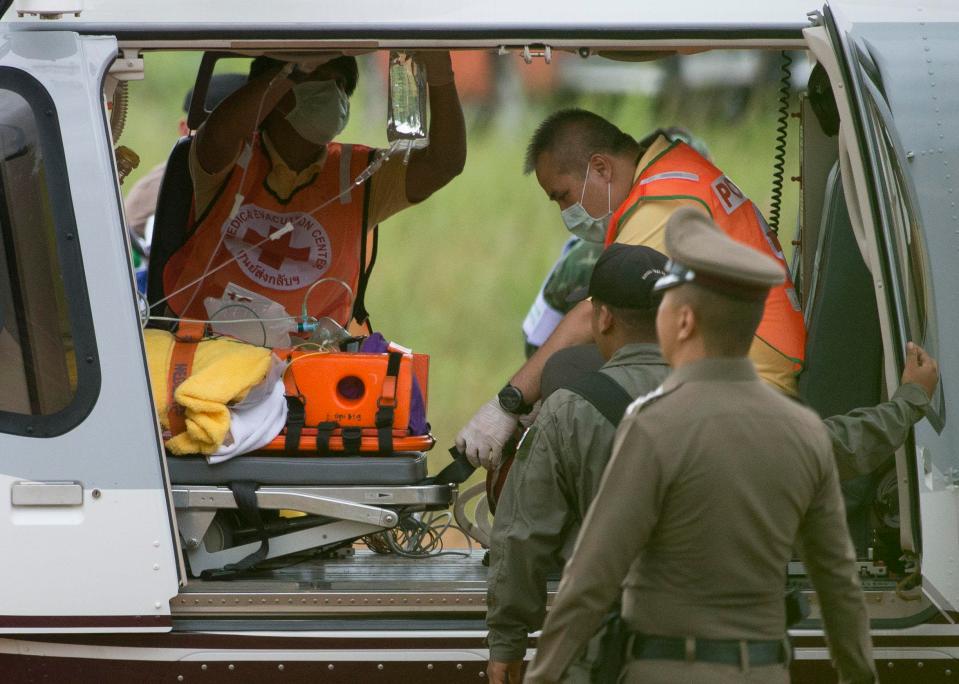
(417, 537)
(782, 127)
(118, 110)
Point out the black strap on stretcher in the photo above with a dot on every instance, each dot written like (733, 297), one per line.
(352, 440)
(456, 472)
(295, 419)
(386, 404)
(245, 495)
(323, 433)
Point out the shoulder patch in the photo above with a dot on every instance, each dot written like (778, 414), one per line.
(644, 400)
(730, 196)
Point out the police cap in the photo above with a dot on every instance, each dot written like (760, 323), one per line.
(701, 253)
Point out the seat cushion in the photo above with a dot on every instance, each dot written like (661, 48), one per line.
(400, 469)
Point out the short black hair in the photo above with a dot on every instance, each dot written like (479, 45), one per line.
(345, 65)
(575, 135)
(727, 324)
(640, 321)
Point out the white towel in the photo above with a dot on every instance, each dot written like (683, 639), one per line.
(253, 425)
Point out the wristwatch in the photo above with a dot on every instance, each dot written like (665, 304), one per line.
(511, 400)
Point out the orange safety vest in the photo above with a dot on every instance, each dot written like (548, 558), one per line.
(682, 173)
(329, 243)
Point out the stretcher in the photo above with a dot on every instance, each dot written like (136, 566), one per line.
(347, 462)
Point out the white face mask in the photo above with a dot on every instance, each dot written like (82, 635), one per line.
(580, 223)
(321, 112)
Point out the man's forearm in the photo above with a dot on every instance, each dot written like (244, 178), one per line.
(507, 644)
(513, 597)
(447, 128)
(527, 536)
(516, 596)
(863, 438)
(432, 168)
(218, 140)
(572, 330)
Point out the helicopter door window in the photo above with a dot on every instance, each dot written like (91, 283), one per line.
(909, 246)
(39, 265)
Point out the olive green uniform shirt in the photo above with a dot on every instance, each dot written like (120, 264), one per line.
(711, 485)
(551, 483)
(864, 438)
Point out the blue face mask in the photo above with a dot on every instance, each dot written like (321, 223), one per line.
(321, 112)
(580, 223)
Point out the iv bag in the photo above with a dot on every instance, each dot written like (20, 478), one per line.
(406, 115)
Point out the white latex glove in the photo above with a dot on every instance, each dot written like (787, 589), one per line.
(483, 437)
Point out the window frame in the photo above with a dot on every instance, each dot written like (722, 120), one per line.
(70, 261)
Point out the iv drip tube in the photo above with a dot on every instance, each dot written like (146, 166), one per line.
(374, 166)
(238, 198)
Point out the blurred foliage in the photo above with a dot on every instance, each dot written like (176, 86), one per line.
(456, 274)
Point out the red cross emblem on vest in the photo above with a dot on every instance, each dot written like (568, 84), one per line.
(274, 252)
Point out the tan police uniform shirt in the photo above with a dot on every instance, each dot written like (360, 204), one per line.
(647, 226)
(710, 487)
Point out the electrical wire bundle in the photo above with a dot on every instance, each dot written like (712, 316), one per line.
(416, 537)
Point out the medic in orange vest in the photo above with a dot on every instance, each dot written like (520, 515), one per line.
(680, 172)
(276, 200)
(608, 186)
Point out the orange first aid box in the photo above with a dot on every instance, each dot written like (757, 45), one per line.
(352, 400)
(346, 388)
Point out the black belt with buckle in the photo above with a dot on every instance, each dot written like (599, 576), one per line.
(726, 651)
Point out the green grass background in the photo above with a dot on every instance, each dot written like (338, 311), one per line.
(456, 274)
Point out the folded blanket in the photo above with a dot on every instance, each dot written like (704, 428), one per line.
(224, 371)
(254, 424)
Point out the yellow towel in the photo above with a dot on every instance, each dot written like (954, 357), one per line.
(223, 373)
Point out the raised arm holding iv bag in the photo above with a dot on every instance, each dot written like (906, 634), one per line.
(406, 130)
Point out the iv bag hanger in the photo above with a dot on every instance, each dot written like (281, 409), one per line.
(529, 52)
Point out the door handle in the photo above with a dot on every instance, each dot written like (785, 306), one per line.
(26, 493)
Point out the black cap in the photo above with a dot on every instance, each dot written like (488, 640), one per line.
(624, 276)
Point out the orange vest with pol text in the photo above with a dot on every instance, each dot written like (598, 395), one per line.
(682, 173)
(325, 243)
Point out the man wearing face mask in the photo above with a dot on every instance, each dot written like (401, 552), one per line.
(609, 188)
(264, 164)
(570, 272)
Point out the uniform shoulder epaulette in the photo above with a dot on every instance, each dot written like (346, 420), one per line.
(645, 401)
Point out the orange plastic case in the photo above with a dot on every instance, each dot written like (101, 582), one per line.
(349, 389)
(346, 387)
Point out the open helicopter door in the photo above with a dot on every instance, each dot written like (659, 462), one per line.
(895, 80)
(88, 539)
